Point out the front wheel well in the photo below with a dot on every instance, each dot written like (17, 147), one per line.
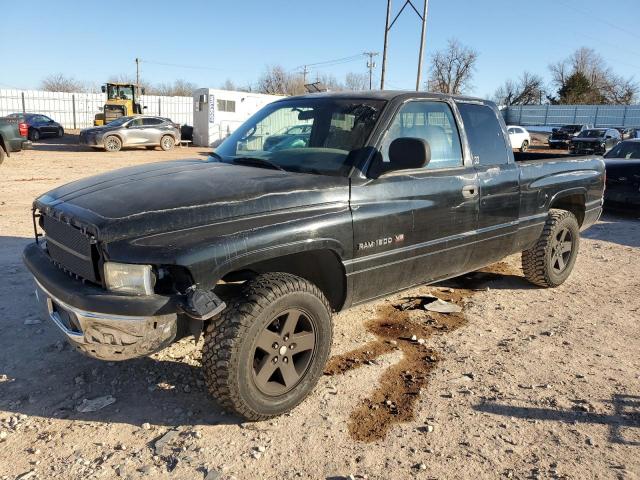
(574, 203)
(323, 268)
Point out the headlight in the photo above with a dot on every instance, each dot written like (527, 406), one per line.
(129, 278)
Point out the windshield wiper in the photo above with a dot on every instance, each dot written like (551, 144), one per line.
(257, 162)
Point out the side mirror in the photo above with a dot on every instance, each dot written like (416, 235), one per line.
(144, 108)
(142, 90)
(408, 153)
(103, 88)
(608, 136)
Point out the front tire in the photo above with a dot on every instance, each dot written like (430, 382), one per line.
(266, 352)
(112, 144)
(525, 146)
(167, 142)
(550, 261)
(60, 132)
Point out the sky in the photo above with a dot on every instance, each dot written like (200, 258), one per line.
(207, 42)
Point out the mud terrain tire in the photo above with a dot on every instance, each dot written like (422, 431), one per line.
(267, 350)
(550, 261)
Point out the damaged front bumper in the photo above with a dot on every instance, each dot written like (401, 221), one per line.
(99, 323)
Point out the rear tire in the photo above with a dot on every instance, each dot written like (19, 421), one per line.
(266, 352)
(167, 142)
(525, 146)
(112, 144)
(2, 154)
(550, 261)
(34, 135)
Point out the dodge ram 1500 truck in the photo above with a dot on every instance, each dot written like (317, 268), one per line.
(256, 247)
(13, 136)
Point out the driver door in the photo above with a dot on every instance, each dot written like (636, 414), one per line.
(415, 226)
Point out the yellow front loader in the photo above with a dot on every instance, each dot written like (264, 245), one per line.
(123, 99)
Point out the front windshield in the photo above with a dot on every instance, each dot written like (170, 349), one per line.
(592, 134)
(571, 128)
(625, 150)
(119, 121)
(119, 92)
(311, 135)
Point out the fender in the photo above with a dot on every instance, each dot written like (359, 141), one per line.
(3, 146)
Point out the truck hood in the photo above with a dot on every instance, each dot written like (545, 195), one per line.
(168, 196)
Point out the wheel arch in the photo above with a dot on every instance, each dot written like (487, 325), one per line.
(3, 146)
(573, 201)
(322, 267)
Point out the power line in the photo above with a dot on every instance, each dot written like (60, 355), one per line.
(195, 67)
(598, 17)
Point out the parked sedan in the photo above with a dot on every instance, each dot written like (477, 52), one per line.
(133, 131)
(519, 137)
(40, 126)
(596, 141)
(623, 175)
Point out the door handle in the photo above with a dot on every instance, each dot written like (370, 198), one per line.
(470, 191)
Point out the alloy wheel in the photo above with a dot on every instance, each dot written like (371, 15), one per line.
(561, 250)
(283, 351)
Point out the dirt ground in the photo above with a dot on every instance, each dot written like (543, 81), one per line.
(523, 383)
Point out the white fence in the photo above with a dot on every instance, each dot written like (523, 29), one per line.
(77, 110)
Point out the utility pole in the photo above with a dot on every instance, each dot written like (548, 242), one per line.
(305, 71)
(421, 54)
(384, 51)
(371, 65)
(389, 26)
(137, 71)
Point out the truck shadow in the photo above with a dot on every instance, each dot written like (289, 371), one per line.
(67, 143)
(621, 227)
(623, 423)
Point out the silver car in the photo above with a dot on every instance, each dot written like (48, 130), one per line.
(134, 131)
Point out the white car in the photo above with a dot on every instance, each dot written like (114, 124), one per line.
(519, 137)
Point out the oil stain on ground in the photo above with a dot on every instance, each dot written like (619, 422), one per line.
(399, 327)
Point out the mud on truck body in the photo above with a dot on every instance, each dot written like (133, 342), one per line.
(257, 247)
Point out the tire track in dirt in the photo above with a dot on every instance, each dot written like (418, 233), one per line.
(394, 398)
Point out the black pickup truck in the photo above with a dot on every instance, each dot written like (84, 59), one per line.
(257, 248)
(13, 136)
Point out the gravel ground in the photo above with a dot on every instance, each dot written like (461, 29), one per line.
(524, 383)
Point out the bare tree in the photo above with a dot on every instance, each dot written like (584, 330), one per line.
(228, 85)
(277, 81)
(60, 83)
(585, 77)
(179, 88)
(452, 68)
(527, 90)
(356, 81)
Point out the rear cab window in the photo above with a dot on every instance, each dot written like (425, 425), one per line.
(484, 133)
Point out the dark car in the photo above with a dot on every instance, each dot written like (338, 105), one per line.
(622, 164)
(560, 137)
(256, 249)
(40, 125)
(595, 141)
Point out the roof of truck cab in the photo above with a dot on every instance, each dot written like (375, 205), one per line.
(384, 95)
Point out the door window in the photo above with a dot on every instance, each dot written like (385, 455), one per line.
(136, 122)
(484, 133)
(433, 122)
(147, 122)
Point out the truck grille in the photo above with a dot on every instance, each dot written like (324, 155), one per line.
(70, 248)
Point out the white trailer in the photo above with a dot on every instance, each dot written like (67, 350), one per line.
(217, 113)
